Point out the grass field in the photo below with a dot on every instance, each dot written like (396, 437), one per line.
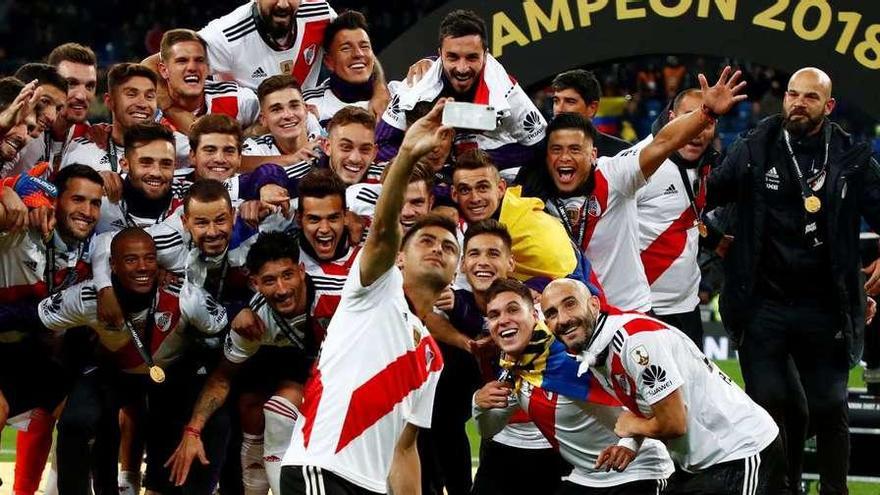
(731, 367)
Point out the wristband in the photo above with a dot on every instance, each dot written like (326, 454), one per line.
(194, 432)
(709, 113)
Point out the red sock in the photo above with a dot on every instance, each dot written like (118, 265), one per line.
(31, 451)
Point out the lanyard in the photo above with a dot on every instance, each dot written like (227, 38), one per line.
(50, 271)
(286, 328)
(223, 270)
(582, 220)
(148, 326)
(806, 191)
(112, 154)
(689, 190)
(129, 219)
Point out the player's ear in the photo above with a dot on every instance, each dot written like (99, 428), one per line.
(399, 261)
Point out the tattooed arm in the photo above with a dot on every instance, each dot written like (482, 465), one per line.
(212, 397)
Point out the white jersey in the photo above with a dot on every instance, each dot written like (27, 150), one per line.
(84, 151)
(280, 332)
(230, 99)
(669, 240)
(609, 221)
(25, 272)
(265, 144)
(237, 51)
(356, 406)
(328, 279)
(116, 216)
(327, 103)
(178, 309)
(647, 360)
(580, 430)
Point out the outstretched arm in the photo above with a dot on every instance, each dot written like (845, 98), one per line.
(382, 244)
(717, 100)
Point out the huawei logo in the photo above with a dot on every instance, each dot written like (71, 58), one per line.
(532, 122)
(653, 375)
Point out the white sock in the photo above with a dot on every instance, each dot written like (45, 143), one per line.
(253, 475)
(280, 417)
(129, 483)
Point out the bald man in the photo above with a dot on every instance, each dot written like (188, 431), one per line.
(724, 443)
(793, 297)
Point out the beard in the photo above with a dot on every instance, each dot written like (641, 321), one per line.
(588, 322)
(799, 128)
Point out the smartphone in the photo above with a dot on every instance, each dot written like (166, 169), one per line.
(463, 115)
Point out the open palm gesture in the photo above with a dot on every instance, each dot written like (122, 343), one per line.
(721, 97)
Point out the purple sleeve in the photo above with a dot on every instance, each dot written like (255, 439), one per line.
(251, 183)
(388, 138)
(513, 155)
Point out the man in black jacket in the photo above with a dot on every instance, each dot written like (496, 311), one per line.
(793, 299)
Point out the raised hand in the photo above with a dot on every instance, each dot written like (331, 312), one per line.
(20, 107)
(427, 133)
(721, 97)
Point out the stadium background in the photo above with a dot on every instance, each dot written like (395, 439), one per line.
(635, 91)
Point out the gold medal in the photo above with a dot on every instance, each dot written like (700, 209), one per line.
(701, 228)
(157, 374)
(812, 204)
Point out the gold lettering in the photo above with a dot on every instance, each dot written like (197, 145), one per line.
(661, 9)
(767, 18)
(624, 11)
(727, 8)
(586, 10)
(798, 19)
(851, 22)
(505, 32)
(538, 19)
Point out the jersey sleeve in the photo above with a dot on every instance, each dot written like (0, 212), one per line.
(423, 408)
(171, 246)
(100, 259)
(201, 311)
(251, 147)
(362, 198)
(526, 124)
(248, 107)
(360, 298)
(650, 360)
(84, 152)
(237, 349)
(69, 308)
(491, 421)
(623, 171)
(219, 55)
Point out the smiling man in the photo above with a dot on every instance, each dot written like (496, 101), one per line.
(183, 64)
(723, 442)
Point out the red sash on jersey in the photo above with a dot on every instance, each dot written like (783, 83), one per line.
(166, 319)
(596, 207)
(226, 105)
(326, 304)
(313, 37)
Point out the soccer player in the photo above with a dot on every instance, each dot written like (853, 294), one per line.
(357, 431)
(16, 100)
(51, 94)
(596, 201)
(183, 64)
(467, 72)
(723, 442)
(161, 321)
(293, 130)
(270, 371)
(574, 413)
(348, 55)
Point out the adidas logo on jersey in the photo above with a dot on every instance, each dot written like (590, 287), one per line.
(670, 190)
(771, 179)
(32, 265)
(259, 73)
(772, 174)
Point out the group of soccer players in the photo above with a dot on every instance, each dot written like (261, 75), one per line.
(275, 269)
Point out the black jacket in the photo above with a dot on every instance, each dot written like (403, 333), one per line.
(853, 190)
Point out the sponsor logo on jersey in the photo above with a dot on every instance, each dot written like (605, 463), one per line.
(259, 73)
(670, 190)
(640, 355)
(118, 223)
(653, 375)
(771, 179)
(163, 321)
(32, 265)
(55, 302)
(215, 310)
(532, 124)
(394, 105)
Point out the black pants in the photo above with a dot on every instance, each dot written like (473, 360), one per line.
(504, 470)
(644, 487)
(795, 364)
(761, 474)
(310, 480)
(691, 323)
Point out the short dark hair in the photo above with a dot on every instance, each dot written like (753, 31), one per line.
(277, 83)
(502, 285)
(430, 220)
(206, 191)
(45, 74)
(10, 87)
(349, 20)
(175, 36)
(75, 171)
(462, 22)
(320, 183)
(583, 82)
(119, 74)
(147, 132)
(489, 226)
(72, 52)
(214, 123)
(474, 159)
(418, 111)
(352, 115)
(572, 121)
(420, 173)
(676, 103)
(271, 246)
(126, 234)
